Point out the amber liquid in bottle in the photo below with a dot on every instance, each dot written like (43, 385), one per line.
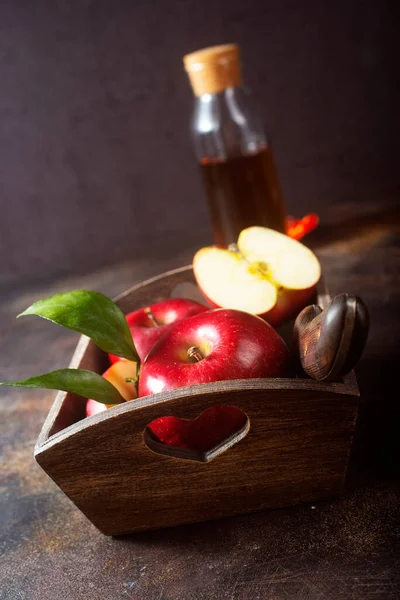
(241, 192)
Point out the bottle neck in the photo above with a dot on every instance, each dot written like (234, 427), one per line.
(227, 125)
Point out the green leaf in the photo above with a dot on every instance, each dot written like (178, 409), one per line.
(92, 314)
(78, 381)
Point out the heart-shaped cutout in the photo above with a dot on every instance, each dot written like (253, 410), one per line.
(203, 438)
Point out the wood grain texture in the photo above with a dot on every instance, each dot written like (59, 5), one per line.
(296, 450)
(329, 342)
(194, 453)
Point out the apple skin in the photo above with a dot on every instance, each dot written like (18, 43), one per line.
(212, 427)
(93, 407)
(289, 303)
(116, 375)
(234, 345)
(167, 313)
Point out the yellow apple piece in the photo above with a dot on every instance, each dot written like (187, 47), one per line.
(286, 262)
(117, 375)
(229, 281)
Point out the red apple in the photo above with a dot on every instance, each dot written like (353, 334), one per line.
(220, 344)
(266, 274)
(149, 323)
(205, 432)
(93, 407)
(289, 303)
(117, 375)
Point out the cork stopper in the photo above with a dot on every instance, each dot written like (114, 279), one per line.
(212, 70)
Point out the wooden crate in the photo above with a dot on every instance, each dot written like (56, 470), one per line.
(294, 449)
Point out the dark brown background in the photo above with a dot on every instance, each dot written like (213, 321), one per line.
(96, 161)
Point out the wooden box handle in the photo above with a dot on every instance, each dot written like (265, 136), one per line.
(329, 342)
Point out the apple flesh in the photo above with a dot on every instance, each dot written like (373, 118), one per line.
(117, 375)
(220, 344)
(266, 274)
(150, 323)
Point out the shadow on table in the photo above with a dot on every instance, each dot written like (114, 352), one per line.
(376, 445)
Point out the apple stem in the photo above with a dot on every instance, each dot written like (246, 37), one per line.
(234, 248)
(194, 352)
(151, 316)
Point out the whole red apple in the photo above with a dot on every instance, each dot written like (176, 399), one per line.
(208, 430)
(220, 344)
(149, 323)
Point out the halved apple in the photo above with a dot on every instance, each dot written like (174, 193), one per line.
(267, 273)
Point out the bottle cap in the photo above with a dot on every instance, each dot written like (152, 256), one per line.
(212, 70)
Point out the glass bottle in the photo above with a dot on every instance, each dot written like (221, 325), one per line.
(238, 171)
